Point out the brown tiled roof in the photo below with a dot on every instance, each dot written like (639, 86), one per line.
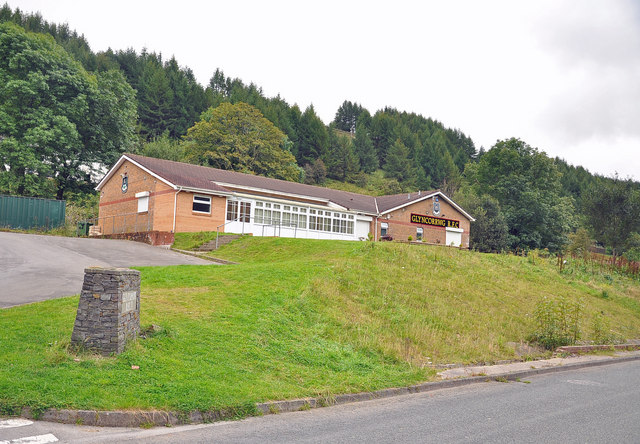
(205, 178)
(214, 180)
(386, 203)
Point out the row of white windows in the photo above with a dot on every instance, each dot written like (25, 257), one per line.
(328, 221)
(291, 216)
(284, 215)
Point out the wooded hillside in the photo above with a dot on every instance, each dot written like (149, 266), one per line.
(65, 110)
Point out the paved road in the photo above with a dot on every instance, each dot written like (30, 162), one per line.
(34, 267)
(595, 405)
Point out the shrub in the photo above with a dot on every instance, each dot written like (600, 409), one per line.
(601, 330)
(557, 323)
(579, 243)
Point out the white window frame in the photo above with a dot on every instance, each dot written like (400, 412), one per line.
(245, 211)
(143, 202)
(201, 199)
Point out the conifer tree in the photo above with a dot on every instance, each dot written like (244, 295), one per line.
(312, 137)
(155, 98)
(365, 150)
(382, 134)
(398, 165)
(340, 158)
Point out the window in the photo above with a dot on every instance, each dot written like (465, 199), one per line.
(245, 211)
(336, 225)
(419, 232)
(143, 201)
(312, 220)
(384, 227)
(202, 204)
(350, 224)
(284, 215)
(270, 213)
(232, 210)
(259, 215)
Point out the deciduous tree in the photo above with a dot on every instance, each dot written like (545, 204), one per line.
(56, 120)
(238, 137)
(612, 208)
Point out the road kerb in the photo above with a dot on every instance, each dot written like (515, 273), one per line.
(163, 418)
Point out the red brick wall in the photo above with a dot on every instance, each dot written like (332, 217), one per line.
(187, 220)
(400, 226)
(118, 210)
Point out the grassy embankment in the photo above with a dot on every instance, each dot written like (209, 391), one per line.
(298, 318)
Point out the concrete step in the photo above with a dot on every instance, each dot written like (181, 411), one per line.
(222, 240)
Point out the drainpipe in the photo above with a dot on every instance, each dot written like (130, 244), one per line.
(175, 205)
(375, 230)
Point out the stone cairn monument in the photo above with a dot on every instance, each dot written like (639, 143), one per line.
(109, 310)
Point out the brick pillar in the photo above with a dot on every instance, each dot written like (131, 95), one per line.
(109, 310)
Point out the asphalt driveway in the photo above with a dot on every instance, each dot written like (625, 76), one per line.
(35, 267)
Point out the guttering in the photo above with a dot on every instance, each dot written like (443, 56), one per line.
(268, 191)
(319, 206)
(175, 206)
(206, 191)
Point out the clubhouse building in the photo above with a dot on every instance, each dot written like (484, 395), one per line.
(143, 195)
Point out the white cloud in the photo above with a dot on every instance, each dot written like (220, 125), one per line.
(561, 75)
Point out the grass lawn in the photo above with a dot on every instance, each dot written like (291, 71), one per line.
(298, 318)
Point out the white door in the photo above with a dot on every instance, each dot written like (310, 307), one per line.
(454, 237)
(362, 229)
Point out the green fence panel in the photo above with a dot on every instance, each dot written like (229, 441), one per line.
(31, 212)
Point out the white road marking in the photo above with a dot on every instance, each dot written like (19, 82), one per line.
(585, 382)
(8, 423)
(37, 439)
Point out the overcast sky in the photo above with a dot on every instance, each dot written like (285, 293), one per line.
(564, 76)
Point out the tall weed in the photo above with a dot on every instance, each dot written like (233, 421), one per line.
(557, 322)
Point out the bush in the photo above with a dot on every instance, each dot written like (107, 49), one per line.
(633, 248)
(579, 243)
